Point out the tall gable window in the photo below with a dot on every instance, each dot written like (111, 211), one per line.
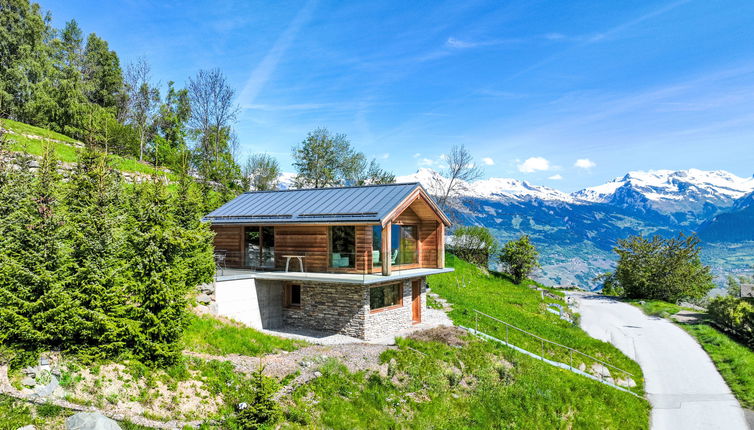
(342, 246)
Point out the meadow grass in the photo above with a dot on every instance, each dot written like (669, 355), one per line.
(20, 127)
(470, 287)
(209, 335)
(656, 307)
(480, 385)
(733, 360)
(68, 153)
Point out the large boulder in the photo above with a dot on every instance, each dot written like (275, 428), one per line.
(90, 421)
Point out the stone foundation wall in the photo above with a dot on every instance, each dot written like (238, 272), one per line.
(386, 322)
(339, 308)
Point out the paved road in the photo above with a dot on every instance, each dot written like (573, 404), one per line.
(682, 384)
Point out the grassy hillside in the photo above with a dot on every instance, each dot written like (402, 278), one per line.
(31, 139)
(470, 287)
(442, 384)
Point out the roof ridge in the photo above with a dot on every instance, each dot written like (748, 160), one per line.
(333, 188)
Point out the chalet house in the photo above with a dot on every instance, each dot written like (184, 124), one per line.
(350, 260)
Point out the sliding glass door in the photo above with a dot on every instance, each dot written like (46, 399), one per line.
(260, 247)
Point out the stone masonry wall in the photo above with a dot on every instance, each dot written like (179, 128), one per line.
(388, 322)
(339, 308)
(344, 309)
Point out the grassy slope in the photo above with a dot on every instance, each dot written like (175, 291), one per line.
(212, 336)
(656, 307)
(433, 385)
(523, 307)
(64, 152)
(734, 361)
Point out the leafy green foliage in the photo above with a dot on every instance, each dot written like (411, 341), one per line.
(734, 315)
(324, 160)
(474, 244)
(661, 269)
(260, 173)
(519, 258)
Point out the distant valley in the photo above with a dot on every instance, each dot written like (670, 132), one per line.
(575, 232)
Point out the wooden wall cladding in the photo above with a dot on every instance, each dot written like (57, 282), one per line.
(310, 241)
(230, 240)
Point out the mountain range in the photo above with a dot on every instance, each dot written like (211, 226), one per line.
(575, 232)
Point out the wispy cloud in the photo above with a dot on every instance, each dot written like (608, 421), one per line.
(455, 43)
(584, 163)
(534, 164)
(488, 161)
(555, 177)
(262, 73)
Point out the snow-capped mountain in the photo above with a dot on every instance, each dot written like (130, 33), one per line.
(492, 188)
(670, 191)
(576, 233)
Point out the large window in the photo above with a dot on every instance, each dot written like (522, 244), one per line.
(342, 246)
(376, 245)
(403, 246)
(260, 247)
(385, 296)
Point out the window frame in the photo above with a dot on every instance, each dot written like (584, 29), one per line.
(388, 307)
(330, 251)
(288, 296)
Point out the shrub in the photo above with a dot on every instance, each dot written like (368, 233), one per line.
(519, 258)
(261, 409)
(735, 316)
(474, 244)
(660, 269)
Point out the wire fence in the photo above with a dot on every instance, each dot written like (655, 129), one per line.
(546, 349)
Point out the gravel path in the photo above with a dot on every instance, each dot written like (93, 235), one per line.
(681, 382)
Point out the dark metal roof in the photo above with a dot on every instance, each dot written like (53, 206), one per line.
(367, 204)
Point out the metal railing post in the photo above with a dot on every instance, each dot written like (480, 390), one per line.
(543, 350)
(476, 317)
(570, 351)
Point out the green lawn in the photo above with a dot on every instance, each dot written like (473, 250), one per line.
(656, 307)
(22, 128)
(64, 152)
(209, 335)
(734, 361)
(496, 295)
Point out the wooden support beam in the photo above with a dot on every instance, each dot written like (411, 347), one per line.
(385, 251)
(440, 245)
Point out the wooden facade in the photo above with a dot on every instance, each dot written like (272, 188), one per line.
(313, 241)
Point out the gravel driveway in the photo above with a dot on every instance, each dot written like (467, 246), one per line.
(681, 382)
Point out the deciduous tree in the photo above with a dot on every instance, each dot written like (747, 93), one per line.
(519, 258)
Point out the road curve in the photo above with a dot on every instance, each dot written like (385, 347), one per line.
(681, 382)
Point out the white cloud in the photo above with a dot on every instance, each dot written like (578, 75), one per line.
(533, 164)
(556, 177)
(584, 163)
(488, 161)
(426, 162)
(452, 42)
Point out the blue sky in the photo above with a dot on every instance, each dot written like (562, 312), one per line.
(560, 93)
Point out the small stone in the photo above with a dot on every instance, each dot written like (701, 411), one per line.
(28, 382)
(203, 298)
(29, 371)
(29, 427)
(44, 361)
(628, 382)
(90, 421)
(317, 374)
(46, 390)
(599, 370)
(212, 308)
(582, 367)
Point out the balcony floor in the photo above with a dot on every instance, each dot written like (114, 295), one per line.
(341, 278)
